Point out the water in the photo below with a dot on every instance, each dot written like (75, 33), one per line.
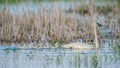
(32, 6)
(58, 58)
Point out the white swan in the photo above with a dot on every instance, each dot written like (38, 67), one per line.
(78, 45)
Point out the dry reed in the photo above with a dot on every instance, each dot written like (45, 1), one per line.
(55, 24)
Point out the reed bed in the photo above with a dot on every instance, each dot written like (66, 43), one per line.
(51, 23)
(54, 24)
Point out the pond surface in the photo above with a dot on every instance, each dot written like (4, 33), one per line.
(58, 58)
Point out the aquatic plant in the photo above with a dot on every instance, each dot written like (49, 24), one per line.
(95, 60)
(105, 57)
(59, 59)
(116, 47)
(7, 50)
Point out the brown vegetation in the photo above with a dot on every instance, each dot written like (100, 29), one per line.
(54, 24)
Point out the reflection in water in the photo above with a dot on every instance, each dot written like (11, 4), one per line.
(41, 59)
(95, 60)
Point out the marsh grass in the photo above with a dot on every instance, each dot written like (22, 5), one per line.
(12, 1)
(55, 24)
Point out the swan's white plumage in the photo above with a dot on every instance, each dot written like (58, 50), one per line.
(78, 45)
